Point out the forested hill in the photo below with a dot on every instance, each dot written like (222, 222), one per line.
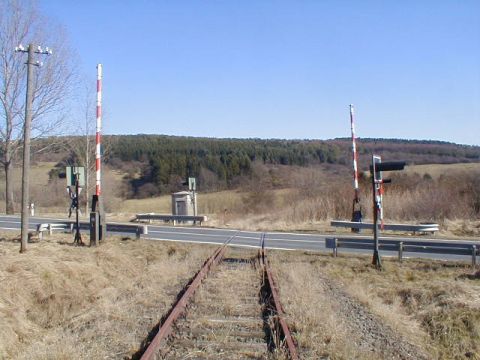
(167, 157)
(284, 152)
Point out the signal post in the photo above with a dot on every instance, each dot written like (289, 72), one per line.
(377, 186)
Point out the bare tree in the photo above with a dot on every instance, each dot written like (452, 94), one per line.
(82, 147)
(21, 23)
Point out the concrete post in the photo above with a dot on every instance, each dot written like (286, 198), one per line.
(94, 228)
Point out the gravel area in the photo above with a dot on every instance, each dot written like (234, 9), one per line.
(367, 332)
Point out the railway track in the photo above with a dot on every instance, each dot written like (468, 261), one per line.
(230, 310)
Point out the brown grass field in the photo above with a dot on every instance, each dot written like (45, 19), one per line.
(436, 170)
(307, 203)
(433, 305)
(58, 301)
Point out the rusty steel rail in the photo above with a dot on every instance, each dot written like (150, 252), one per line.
(179, 308)
(292, 350)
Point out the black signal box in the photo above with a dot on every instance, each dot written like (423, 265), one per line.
(388, 166)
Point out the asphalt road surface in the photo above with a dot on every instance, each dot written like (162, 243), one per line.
(251, 239)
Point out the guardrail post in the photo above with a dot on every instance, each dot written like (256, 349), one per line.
(50, 230)
(474, 256)
(335, 250)
(145, 230)
(400, 251)
(138, 232)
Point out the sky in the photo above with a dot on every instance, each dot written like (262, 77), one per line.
(282, 69)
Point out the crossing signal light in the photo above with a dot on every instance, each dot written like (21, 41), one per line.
(388, 166)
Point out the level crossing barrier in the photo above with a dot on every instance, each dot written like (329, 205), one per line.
(425, 228)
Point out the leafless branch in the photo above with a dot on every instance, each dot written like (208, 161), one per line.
(22, 23)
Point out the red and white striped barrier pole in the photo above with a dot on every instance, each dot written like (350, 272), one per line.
(98, 155)
(356, 208)
(354, 151)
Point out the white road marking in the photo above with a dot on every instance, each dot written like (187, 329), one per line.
(184, 233)
(218, 243)
(237, 237)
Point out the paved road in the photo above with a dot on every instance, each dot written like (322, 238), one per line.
(273, 240)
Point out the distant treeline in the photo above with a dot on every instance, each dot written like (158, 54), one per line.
(416, 151)
(171, 159)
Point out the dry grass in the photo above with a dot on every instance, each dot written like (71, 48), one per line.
(242, 278)
(38, 175)
(436, 170)
(218, 202)
(50, 195)
(308, 200)
(311, 316)
(159, 205)
(461, 228)
(209, 203)
(434, 305)
(58, 301)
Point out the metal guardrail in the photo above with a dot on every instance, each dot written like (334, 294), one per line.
(451, 248)
(173, 218)
(41, 228)
(392, 227)
(127, 228)
(112, 227)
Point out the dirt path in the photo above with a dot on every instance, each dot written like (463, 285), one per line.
(367, 332)
(327, 322)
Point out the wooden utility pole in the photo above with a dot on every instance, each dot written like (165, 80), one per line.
(26, 137)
